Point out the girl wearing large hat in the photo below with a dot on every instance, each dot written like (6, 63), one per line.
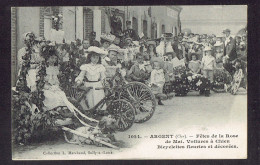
(54, 96)
(93, 72)
(208, 65)
(157, 81)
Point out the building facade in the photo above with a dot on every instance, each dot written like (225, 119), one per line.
(79, 21)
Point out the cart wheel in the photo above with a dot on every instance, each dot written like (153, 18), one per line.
(236, 81)
(142, 98)
(124, 113)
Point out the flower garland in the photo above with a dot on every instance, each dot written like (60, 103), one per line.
(21, 84)
(26, 120)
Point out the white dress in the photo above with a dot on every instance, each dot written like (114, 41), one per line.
(94, 73)
(54, 96)
(157, 81)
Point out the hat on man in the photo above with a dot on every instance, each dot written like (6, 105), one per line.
(28, 35)
(167, 35)
(113, 47)
(207, 48)
(226, 31)
(151, 42)
(136, 43)
(218, 43)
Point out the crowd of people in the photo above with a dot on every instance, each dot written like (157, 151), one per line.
(169, 65)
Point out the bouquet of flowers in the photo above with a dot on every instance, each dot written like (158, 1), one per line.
(221, 77)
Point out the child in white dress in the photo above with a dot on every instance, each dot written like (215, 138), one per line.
(194, 64)
(94, 73)
(54, 96)
(157, 80)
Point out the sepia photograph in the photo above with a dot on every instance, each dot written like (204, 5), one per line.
(129, 82)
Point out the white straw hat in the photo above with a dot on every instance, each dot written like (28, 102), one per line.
(218, 43)
(207, 48)
(97, 50)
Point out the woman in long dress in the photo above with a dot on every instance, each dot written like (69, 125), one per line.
(93, 73)
(35, 60)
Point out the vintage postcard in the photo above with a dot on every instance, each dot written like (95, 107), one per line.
(129, 82)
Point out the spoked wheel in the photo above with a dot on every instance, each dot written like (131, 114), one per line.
(142, 98)
(123, 111)
(236, 81)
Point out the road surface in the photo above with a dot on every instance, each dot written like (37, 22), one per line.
(221, 113)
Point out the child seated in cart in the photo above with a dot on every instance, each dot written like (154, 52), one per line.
(93, 74)
(54, 96)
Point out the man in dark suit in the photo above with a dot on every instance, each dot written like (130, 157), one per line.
(177, 46)
(92, 39)
(230, 53)
(129, 32)
(116, 24)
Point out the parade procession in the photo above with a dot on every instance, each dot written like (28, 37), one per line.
(87, 73)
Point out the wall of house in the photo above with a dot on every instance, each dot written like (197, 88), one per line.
(159, 16)
(69, 23)
(80, 23)
(28, 20)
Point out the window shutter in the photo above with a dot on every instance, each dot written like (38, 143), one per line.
(41, 21)
(88, 23)
(103, 21)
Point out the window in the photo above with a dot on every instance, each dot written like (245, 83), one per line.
(55, 12)
(47, 21)
(145, 28)
(163, 29)
(135, 25)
